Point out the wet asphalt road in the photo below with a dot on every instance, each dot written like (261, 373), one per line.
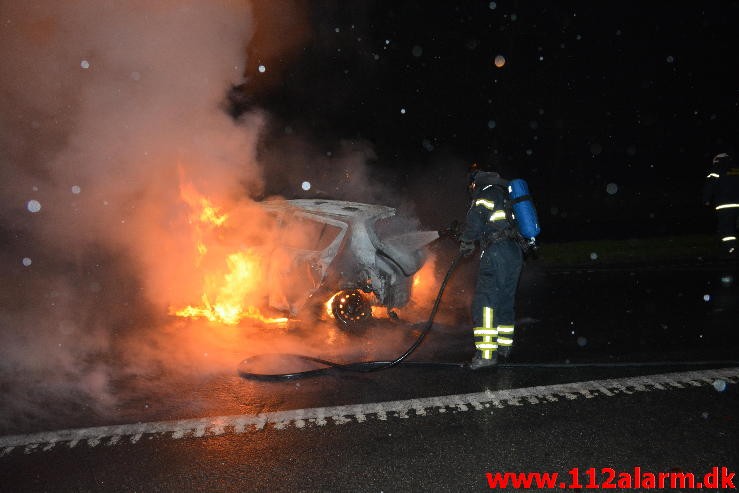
(647, 314)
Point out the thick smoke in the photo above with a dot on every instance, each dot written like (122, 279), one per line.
(110, 111)
(107, 109)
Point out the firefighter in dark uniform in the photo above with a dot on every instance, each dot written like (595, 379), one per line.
(722, 191)
(501, 260)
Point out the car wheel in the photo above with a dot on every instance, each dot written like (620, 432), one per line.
(351, 308)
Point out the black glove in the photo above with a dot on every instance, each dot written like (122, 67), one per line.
(466, 248)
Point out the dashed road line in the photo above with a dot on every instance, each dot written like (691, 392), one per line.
(361, 413)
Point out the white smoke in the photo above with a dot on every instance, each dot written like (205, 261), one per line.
(106, 108)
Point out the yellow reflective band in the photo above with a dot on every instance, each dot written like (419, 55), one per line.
(726, 206)
(486, 345)
(497, 216)
(488, 204)
(487, 355)
(484, 332)
(713, 175)
(505, 329)
(728, 238)
(487, 317)
(504, 341)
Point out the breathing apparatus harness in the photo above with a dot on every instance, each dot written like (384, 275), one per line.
(511, 231)
(522, 223)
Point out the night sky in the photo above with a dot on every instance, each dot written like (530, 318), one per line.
(611, 111)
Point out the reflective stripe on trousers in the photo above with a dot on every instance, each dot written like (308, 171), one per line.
(505, 335)
(486, 337)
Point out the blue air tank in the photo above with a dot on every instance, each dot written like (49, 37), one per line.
(523, 208)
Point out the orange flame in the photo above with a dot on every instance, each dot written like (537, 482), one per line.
(203, 215)
(329, 310)
(239, 283)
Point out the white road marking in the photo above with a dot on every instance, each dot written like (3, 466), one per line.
(360, 413)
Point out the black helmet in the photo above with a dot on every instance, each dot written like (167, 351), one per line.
(484, 178)
(478, 179)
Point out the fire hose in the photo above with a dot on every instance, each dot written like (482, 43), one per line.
(362, 366)
(373, 366)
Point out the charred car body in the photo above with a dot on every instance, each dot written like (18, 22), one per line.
(333, 250)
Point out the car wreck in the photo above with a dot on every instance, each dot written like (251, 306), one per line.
(342, 261)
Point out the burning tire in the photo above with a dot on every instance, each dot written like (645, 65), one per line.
(351, 308)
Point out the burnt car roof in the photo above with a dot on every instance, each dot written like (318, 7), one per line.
(340, 208)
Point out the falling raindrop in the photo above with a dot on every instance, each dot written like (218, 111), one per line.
(706, 297)
(611, 188)
(85, 64)
(76, 189)
(582, 341)
(262, 69)
(34, 206)
(492, 5)
(593, 256)
(26, 261)
(670, 59)
(305, 185)
(417, 51)
(499, 61)
(491, 124)
(719, 385)
(402, 111)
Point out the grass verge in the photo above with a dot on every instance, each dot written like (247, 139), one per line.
(698, 248)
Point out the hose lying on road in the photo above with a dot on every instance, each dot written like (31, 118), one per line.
(372, 366)
(363, 366)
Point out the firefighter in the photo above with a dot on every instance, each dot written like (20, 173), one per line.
(722, 191)
(490, 225)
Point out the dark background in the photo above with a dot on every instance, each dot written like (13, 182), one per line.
(637, 94)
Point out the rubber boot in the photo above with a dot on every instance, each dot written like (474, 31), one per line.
(505, 351)
(478, 362)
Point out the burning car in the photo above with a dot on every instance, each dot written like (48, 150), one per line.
(338, 251)
(301, 259)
